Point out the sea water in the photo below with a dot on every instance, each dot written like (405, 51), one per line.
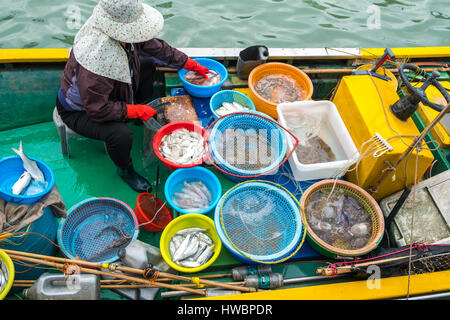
(238, 24)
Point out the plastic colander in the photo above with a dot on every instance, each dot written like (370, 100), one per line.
(96, 229)
(269, 146)
(260, 221)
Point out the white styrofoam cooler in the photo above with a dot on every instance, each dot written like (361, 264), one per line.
(333, 132)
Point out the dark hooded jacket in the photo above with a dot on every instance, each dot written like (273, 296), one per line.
(105, 99)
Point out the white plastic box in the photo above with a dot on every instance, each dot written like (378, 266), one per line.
(332, 131)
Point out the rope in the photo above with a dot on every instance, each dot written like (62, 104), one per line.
(196, 281)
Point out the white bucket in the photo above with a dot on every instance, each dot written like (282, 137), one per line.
(332, 131)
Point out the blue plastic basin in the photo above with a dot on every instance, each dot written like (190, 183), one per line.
(205, 91)
(176, 179)
(11, 168)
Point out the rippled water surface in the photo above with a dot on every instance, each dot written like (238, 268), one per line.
(237, 23)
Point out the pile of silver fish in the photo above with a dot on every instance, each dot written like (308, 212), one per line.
(32, 175)
(191, 248)
(227, 108)
(4, 274)
(195, 196)
(182, 147)
(199, 80)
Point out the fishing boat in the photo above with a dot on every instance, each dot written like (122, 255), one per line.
(29, 81)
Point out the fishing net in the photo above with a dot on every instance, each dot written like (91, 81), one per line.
(262, 221)
(247, 145)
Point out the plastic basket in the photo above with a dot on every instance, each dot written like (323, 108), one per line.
(175, 182)
(255, 237)
(91, 230)
(191, 220)
(168, 129)
(273, 68)
(11, 168)
(242, 122)
(146, 208)
(205, 91)
(229, 96)
(371, 207)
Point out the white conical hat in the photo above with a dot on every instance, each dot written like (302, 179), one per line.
(96, 46)
(129, 21)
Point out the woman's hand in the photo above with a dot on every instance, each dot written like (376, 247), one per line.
(193, 65)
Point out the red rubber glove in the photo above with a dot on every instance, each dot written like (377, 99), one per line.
(140, 111)
(193, 65)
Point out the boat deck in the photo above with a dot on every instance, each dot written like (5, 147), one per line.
(89, 172)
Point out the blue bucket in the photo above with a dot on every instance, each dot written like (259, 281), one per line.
(11, 168)
(205, 91)
(174, 184)
(46, 226)
(285, 213)
(246, 122)
(229, 96)
(93, 225)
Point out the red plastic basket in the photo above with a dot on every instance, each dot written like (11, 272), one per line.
(168, 129)
(145, 211)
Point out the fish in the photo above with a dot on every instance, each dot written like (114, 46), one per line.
(190, 230)
(194, 250)
(29, 165)
(194, 196)
(227, 108)
(3, 277)
(206, 254)
(199, 80)
(183, 147)
(22, 183)
(116, 243)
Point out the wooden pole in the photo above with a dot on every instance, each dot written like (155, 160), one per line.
(109, 274)
(132, 270)
(317, 71)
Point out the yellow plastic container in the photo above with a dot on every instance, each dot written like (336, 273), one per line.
(189, 220)
(363, 103)
(427, 114)
(272, 68)
(10, 266)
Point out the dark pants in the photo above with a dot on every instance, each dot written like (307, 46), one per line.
(115, 134)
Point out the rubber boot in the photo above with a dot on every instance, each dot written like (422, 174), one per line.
(137, 182)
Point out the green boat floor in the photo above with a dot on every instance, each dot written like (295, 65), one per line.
(89, 172)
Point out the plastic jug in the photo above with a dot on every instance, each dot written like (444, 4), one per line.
(51, 286)
(249, 59)
(140, 255)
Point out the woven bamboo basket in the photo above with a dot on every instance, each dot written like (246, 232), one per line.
(371, 207)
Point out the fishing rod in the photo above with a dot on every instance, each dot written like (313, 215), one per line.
(423, 257)
(415, 143)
